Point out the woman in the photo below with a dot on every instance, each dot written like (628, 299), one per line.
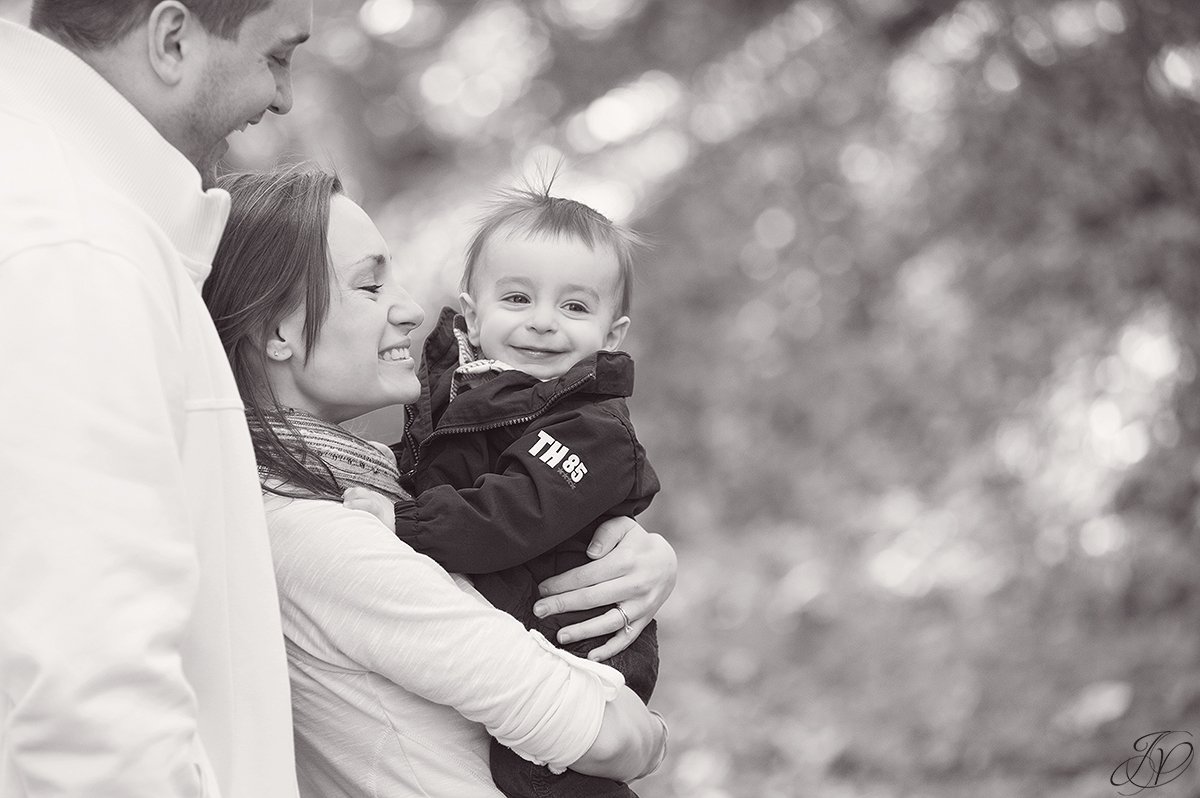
(399, 670)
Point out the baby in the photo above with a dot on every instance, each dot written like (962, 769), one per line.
(522, 442)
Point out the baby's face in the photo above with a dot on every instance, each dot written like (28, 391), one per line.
(543, 305)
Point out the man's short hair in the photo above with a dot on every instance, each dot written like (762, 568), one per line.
(93, 25)
(529, 211)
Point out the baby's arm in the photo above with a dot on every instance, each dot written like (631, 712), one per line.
(554, 481)
(374, 503)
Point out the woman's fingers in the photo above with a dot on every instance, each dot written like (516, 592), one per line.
(615, 645)
(588, 597)
(610, 533)
(586, 575)
(606, 623)
(610, 623)
(639, 572)
(626, 539)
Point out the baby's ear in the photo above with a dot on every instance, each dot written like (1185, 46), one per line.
(616, 333)
(472, 317)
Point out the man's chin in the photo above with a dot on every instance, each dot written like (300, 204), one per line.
(208, 165)
(208, 177)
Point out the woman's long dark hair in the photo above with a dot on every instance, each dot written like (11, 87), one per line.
(272, 259)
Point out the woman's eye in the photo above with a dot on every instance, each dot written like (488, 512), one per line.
(282, 60)
(374, 288)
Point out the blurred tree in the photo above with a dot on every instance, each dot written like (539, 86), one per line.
(917, 348)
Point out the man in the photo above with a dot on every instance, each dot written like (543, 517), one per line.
(140, 644)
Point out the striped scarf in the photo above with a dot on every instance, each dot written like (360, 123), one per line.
(319, 445)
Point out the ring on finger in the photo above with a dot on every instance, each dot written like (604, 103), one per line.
(625, 618)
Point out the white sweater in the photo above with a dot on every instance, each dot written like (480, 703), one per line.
(398, 668)
(141, 653)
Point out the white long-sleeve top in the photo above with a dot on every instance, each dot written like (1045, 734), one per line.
(141, 652)
(399, 670)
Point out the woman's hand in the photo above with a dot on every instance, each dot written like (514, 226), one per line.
(632, 568)
(631, 743)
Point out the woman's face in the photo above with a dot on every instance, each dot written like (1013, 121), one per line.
(361, 361)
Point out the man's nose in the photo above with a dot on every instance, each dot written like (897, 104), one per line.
(283, 94)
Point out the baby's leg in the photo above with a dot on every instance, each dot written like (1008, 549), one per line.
(374, 503)
(514, 591)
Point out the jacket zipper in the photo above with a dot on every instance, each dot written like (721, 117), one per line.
(466, 428)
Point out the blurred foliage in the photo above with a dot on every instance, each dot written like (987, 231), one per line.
(917, 349)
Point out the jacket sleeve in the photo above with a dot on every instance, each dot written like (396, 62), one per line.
(549, 485)
(355, 597)
(97, 561)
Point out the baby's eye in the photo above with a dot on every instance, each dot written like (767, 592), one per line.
(575, 307)
(518, 299)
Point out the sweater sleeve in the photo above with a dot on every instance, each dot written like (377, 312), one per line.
(351, 590)
(554, 481)
(98, 568)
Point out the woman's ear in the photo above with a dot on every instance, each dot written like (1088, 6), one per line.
(278, 347)
(616, 333)
(472, 317)
(171, 35)
(288, 339)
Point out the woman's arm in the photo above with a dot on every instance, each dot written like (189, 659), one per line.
(631, 741)
(632, 567)
(355, 596)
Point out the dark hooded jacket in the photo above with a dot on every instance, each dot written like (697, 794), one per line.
(512, 477)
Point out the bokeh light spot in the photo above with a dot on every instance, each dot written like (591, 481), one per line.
(381, 17)
(592, 18)
(1000, 74)
(1104, 535)
(774, 228)
(1178, 69)
(1110, 17)
(441, 83)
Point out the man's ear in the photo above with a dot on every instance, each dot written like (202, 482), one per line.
(472, 317)
(616, 333)
(171, 38)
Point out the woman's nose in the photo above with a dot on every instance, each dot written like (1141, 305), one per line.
(404, 312)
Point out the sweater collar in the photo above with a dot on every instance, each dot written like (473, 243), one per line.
(111, 139)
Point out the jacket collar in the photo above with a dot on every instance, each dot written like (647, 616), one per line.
(108, 137)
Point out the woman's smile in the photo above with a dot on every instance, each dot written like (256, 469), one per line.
(396, 354)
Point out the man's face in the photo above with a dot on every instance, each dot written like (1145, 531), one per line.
(243, 78)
